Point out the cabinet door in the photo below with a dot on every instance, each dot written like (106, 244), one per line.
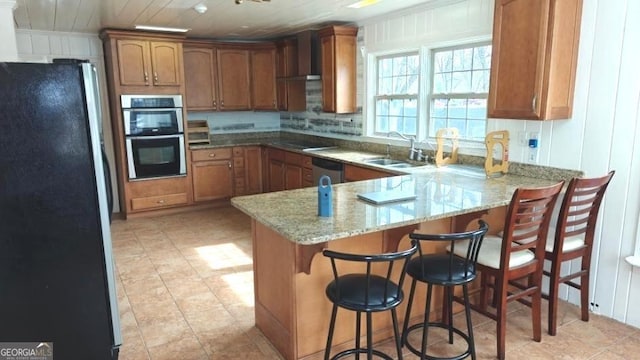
(233, 79)
(327, 44)
(263, 79)
(133, 62)
(292, 177)
(212, 180)
(253, 169)
(338, 44)
(165, 62)
(200, 78)
(276, 175)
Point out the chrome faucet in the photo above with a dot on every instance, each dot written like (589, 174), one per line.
(413, 152)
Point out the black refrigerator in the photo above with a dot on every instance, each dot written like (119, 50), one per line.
(57, 283)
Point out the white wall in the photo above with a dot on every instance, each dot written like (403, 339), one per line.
(42, 46)
(7, 31)
(603, 134)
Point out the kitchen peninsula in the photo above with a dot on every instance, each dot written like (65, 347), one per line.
(290, 274)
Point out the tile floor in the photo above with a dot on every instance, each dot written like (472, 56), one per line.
(185, 291)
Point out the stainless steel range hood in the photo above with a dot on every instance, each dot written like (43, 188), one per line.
(309, 57)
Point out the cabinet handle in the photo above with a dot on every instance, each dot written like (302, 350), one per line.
(533, 103)
(212, 155)
(160, 201)
(146, 78)
(229, 163)
(222, 103)
(155, 77)
(214, 103)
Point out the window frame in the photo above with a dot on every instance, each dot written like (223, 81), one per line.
(431, 96)
(424, 50)
(376, 83)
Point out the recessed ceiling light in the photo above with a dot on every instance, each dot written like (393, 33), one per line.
(200, 8)
(363, 3)
(160, 28)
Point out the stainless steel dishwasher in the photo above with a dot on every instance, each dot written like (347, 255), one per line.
(333, 169)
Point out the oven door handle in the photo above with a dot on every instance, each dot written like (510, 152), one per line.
(152, 137)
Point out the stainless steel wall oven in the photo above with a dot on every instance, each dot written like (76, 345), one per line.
(154, 136)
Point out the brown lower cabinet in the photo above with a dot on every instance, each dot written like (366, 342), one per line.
(288, 170)
(357, 173)
(212, 172)
(247, 170)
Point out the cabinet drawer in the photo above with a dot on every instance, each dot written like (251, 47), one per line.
(153, 202)
(293, 158)
(306, 162)
(307, 176)
(275, 154)
(238, 151)
(210, 154)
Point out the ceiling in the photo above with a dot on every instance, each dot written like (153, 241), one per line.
(224, 19)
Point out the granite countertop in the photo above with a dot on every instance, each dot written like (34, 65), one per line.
(439, 194)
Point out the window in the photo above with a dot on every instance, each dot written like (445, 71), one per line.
(453, 83)
(459, 88)
(396, 95)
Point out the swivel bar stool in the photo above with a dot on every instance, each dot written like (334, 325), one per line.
(447, 270)
(367, 292)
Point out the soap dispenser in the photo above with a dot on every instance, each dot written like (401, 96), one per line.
(325, 197)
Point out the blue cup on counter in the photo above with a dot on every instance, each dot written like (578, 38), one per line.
(325, 197)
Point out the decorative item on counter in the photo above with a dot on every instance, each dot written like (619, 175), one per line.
(325, 197)
(198, 131)
(442, 135)
(492, 139)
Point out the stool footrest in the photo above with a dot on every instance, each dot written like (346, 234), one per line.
(361, 351)
(417, 352)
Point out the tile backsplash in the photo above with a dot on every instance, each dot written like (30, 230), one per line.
(225, 122)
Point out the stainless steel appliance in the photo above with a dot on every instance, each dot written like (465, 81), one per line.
(56, 266)
(154, 133)
(152, 114)
(333, 169)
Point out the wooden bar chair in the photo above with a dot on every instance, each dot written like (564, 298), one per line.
(572, 239)
(512, 265)
(366, 292)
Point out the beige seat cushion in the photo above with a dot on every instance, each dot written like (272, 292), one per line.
(490, 253)
(570, 243)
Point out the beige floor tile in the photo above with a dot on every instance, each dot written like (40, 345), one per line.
(186, 348)
(163, 330)
(185, 291)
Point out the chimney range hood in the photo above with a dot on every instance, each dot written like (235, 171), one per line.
(309, 57)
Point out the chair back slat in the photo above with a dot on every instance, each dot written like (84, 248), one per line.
(579, 210)
(527, 221)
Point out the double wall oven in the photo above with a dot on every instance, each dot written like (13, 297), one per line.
(154, 136)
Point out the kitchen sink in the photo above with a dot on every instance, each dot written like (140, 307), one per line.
(390, 163)
(384, 162)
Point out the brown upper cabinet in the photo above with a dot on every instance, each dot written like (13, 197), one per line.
(535, 52)
(338, 47)
(149, 63)
(200, 78)
(234, 81)
(263, 78)
(291, 91)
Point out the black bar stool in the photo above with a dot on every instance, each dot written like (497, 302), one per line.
(448, 270)
(367, 292)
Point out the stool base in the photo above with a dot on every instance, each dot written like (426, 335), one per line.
(417, 352)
